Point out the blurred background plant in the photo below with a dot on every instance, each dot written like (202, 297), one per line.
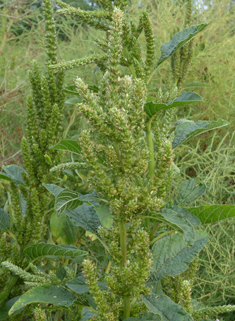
(211, 74)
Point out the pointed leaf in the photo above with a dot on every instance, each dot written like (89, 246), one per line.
(53, 189)
(73, 101)
(63, 228)
(39, 250)
(71, 90)
(68, 145)
(4, 310)
(188, 129)
(178, 218)
(48, 294)
(151, 108)
(5, 222)
(78, 285)
(189, 192)
(213, 213)
(65, 200)
(166, 308)
(172, 256)
(14, 174)
(179, 40)
(87, 314)
(86, 217)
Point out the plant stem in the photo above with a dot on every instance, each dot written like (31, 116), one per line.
(116, 147)
(123, 244)
(151, 148)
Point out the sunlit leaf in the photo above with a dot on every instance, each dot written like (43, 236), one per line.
(48, 294)
(86, 217)
(39, 250)
(68, 145)
(213, 213)
(65, 200)
(151, 108)
(166, 308)
(172, 256)
(190, 192)
(187, 129)
(13, 173)
(179, 40)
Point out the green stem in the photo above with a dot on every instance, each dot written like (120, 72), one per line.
(123, 244)
(153, 231)
(151, 148)
(158, 238)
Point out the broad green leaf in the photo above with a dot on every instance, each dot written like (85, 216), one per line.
(87, 314)
(180, 219)
(172, 256)
(105, 215)
(92, 198)
(187, 215)
(213, 213)
(48, 294)
(151, 108)
(73, 101)
(86, 217)
(78, 285)
(53, 189)
(179, 40)
(187, 129)
(39, 250)
(68, 145)
(197, 84)
(166, 308)
(189, 192)
(4, 310)
(66, 200)
(63, 228)
(14, 174)
(5, 222)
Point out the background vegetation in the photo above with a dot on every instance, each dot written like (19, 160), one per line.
(211, 74)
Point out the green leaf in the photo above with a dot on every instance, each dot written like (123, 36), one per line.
(166, 308)
(73, 101)
(187, 129)
(105, 215)
(78, 285)
(63, 228)
(5, 222)
(39, 250)
(172, 256)
(71, 90)
(68, 145)
(181, 220)
(48, 294)
(66, 200)
(13, 173)
(4, 310)
(151, 108)
(179, 40)
(86, 217)
(213, 213)
(189, 192)
(87, 314)
(53, 189)
(92, 198)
